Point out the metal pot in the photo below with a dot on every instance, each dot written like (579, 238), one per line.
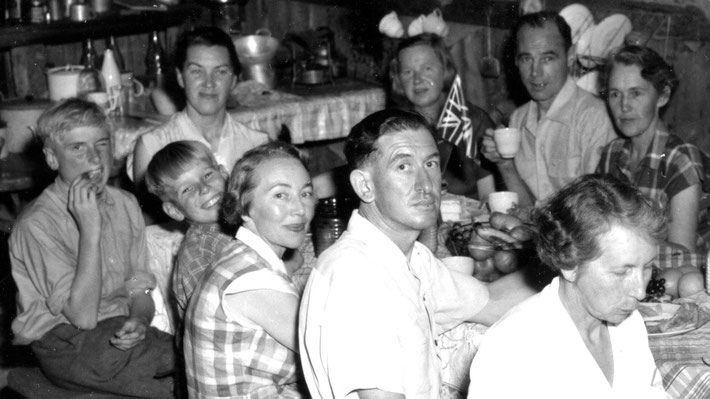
(313, 76)
(256, 49)
(255, 53)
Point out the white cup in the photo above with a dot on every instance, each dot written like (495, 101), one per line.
(459, 264)
(502, 201)
(102, 99)
(507, 141)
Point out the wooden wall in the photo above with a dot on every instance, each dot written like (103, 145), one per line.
(684, 42)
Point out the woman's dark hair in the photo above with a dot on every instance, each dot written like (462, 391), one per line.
(571, 222)
(360, 144)
(207, 36)
(425, 39)
(653, 67)
(237, 199)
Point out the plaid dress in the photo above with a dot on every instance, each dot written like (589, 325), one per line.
(669, 167)
(224, 359)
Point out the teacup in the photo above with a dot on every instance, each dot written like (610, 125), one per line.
(416, 27)
(107, 102)
(459, 264)
(507, 141)
(502, 201)
(391, 26)
(434, 23)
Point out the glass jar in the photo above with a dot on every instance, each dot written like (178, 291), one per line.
(329, 222)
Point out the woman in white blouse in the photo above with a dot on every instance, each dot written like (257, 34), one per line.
(581, 337)
(241, 325)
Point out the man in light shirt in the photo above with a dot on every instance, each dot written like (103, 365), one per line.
(377, 301)
(563, 126)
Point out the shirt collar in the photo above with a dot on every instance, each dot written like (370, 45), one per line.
(366, 231)
(61, 188)
(560, 110)
(656, 153)
(256, 243)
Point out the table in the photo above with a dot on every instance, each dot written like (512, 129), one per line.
(679, 360)
(315, 113)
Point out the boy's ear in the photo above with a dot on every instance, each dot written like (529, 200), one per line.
(51, 157)
(362, 185)
(171, 210)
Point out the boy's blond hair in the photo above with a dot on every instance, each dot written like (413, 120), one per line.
(69, 114)
(172, 161)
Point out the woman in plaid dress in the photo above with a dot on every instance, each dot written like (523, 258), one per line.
(660, 164)
(241, 324)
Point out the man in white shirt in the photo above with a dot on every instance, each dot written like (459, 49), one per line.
(563, 127)
(375, 305)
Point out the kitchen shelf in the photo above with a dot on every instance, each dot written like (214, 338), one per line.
(125, 22)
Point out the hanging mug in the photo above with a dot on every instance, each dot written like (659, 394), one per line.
(107, 102)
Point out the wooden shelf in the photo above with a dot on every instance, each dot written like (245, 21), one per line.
(125, 22)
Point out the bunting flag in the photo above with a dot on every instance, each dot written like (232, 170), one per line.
(454, 125)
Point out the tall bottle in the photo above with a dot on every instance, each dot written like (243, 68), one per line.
(117, 55)
(90, 78)
(89, 58)
(155, 59)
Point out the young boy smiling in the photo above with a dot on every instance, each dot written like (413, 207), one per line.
(79, 260)
(190, 183)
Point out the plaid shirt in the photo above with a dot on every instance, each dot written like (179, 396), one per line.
(224, 359)
(202, 246)
(669, 167)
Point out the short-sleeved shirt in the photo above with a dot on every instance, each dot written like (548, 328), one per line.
(370, 318)
(44, 247)
(536, 351)
(227, 355)
(565, 143)
(669, 167)
(234, 140)
(201, 247)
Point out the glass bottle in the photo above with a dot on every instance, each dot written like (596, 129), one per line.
(155, 59)
(90, 77)
(117, 55)
(89, 58)
(329, 222)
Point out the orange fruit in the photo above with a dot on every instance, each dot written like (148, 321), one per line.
(688, 269)
(671, 276)
(691, 283)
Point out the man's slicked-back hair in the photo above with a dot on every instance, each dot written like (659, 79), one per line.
(360, 144)
(206, 36)
(538, 20)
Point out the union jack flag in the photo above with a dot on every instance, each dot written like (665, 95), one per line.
(454, 124)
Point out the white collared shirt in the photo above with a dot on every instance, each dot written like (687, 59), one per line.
(536, 351)
(370, 319)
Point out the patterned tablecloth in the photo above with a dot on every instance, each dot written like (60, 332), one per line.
(680, 361)
(315, 113)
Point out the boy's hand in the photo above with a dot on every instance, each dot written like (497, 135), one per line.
(84, 206)
(132, 333)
